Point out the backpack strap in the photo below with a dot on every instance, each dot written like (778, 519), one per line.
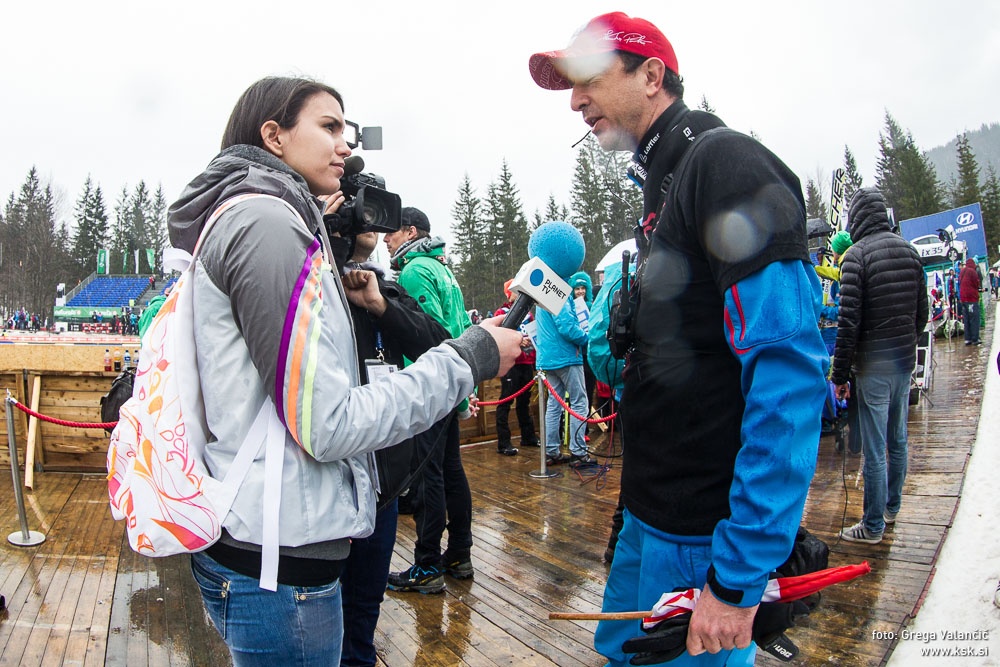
(274, 460)
(266, 427)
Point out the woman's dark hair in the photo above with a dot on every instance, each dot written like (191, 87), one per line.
(276, 98)
(673, 83)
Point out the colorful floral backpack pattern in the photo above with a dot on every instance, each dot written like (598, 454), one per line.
(157, 479)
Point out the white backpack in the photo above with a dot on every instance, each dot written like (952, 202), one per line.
(157, 479)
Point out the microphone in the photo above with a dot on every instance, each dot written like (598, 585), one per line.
(354, 164)
(557, 251)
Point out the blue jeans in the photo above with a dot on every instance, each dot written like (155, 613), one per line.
(363, 584)
(970, 318)
(883, 402)
(294, 625)
(569, 378)
(647, 564)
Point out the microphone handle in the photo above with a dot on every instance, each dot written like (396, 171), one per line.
(518, 311)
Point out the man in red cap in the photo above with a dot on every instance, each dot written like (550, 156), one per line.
(726, 369)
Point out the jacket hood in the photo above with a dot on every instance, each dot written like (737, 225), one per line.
(429, 246)
(867, 214)
(581, 278)
(237, 170)
(970, 263)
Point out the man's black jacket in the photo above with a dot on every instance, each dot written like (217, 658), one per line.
(406, 330)
(883, 295)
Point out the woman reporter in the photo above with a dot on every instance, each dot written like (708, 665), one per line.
(271, 321)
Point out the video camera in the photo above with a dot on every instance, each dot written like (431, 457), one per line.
(369, 207)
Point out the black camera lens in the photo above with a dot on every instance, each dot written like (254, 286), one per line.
(372, 214)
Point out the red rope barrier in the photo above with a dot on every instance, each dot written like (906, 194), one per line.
(511, 397)
(570, 410)
(24, 408)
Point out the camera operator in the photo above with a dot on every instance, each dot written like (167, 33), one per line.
(388, 324)
(271, 320)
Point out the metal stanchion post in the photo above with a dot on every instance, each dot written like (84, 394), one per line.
(542, 472)
(24, 537)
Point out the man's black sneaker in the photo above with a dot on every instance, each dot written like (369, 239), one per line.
(507, 449)
(418, 578)
(459, 568)
(530, 443)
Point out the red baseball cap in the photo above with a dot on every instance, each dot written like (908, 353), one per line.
(592, 45)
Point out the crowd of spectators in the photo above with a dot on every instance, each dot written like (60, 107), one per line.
(22, 320)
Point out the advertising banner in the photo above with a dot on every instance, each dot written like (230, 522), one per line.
(102, 261)
(80, 312)
(965, 224)
(150, 258)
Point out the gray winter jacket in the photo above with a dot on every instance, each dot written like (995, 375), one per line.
(272, 320)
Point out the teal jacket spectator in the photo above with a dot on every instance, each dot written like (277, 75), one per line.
(560, 338)
(581, 278)
(606, 368)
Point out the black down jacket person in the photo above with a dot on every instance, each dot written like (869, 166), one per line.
(883, 295)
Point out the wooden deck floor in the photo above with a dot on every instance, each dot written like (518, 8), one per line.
(84, 598)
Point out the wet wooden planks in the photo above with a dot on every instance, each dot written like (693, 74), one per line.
(59, 593)
(158, 617)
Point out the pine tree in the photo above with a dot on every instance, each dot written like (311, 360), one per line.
(34, 256)
(91, 230)
(121, 233)
(158, 236)
(904, 175)
(605, 204)
(852, 180)
(587, 195)
(470, 249)
(140, 214)
(815, 206)
(705, 106)
(509, 225)
(991, 212)
(966, 189)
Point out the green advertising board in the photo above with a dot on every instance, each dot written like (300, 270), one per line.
(81, 313)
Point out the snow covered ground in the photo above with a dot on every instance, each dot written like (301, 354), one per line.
(960, 599)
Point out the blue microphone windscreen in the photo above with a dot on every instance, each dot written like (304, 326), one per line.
(560, 246)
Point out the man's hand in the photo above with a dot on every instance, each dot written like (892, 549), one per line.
(361, 288)
(842, 391)
(333, 202)
(717, 626)
(508, 342)
(473, 406)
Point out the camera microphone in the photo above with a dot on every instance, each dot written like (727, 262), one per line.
(355, 164)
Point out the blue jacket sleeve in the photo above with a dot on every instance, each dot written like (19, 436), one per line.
(569, 327)
(770, 323)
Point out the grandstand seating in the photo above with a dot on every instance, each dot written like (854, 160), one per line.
(170, 283)
(110, 291)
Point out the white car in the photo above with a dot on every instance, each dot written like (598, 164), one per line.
(933, 250)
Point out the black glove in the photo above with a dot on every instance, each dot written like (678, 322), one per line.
(668, 638)
(664, 642)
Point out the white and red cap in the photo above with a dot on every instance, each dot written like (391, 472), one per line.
(590, 51)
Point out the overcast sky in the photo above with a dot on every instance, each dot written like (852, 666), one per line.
(130, 90)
